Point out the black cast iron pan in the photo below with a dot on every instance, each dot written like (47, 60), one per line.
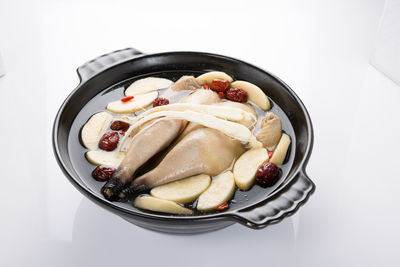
(104, 79)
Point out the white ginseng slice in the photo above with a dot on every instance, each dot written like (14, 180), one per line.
(209, 76)
(254, 94)
(125, 142)
(250, 118)
(139, 102)
(160, 205)
(108, 158)
(223, 112)
(231, 129)
(92, 129)
(147, 85)
(246, 167)
(281, 149)
(184, 190)
(220, 191)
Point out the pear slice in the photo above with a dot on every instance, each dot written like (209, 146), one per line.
(147, 85)
(221, 190)
(160, 205)
(92, 129)
(246, 167)
(281, 149)
(182, 191)
(99, 157)
(254, 94)
(139, 102)
(207, 77)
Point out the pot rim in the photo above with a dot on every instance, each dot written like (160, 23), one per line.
(229, 214)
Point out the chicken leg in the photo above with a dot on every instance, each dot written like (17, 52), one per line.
(149, 141)
(202, 150)
(144, 145)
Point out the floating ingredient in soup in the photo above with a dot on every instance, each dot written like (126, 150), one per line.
(183, 191)
(250, 116)
(160, 205)
(100, 157)
(219, 85)
(103, 173)
(93, 128)
(220, 191)
(222, 207)
(236, 95)
(254, 94)
(160, 101)
(281, 150)
(109, 141)
(208, 77)
(246, 167)
(186, 83)
(266, 174)
(119, 125)
(137, 103)
(201, 96)
(271, 130)
(147, 85)
(221, 110)
(231, 129)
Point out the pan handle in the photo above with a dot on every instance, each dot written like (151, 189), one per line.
(94, 66)
(283, 204)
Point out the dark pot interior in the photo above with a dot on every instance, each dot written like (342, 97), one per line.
(104, 81)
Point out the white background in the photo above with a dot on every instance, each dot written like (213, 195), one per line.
(320, 48)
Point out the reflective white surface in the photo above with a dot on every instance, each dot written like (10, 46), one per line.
(386, 55)
(321, 49)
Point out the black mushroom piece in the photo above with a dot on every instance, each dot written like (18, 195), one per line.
(186, 83)
(271, 130)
